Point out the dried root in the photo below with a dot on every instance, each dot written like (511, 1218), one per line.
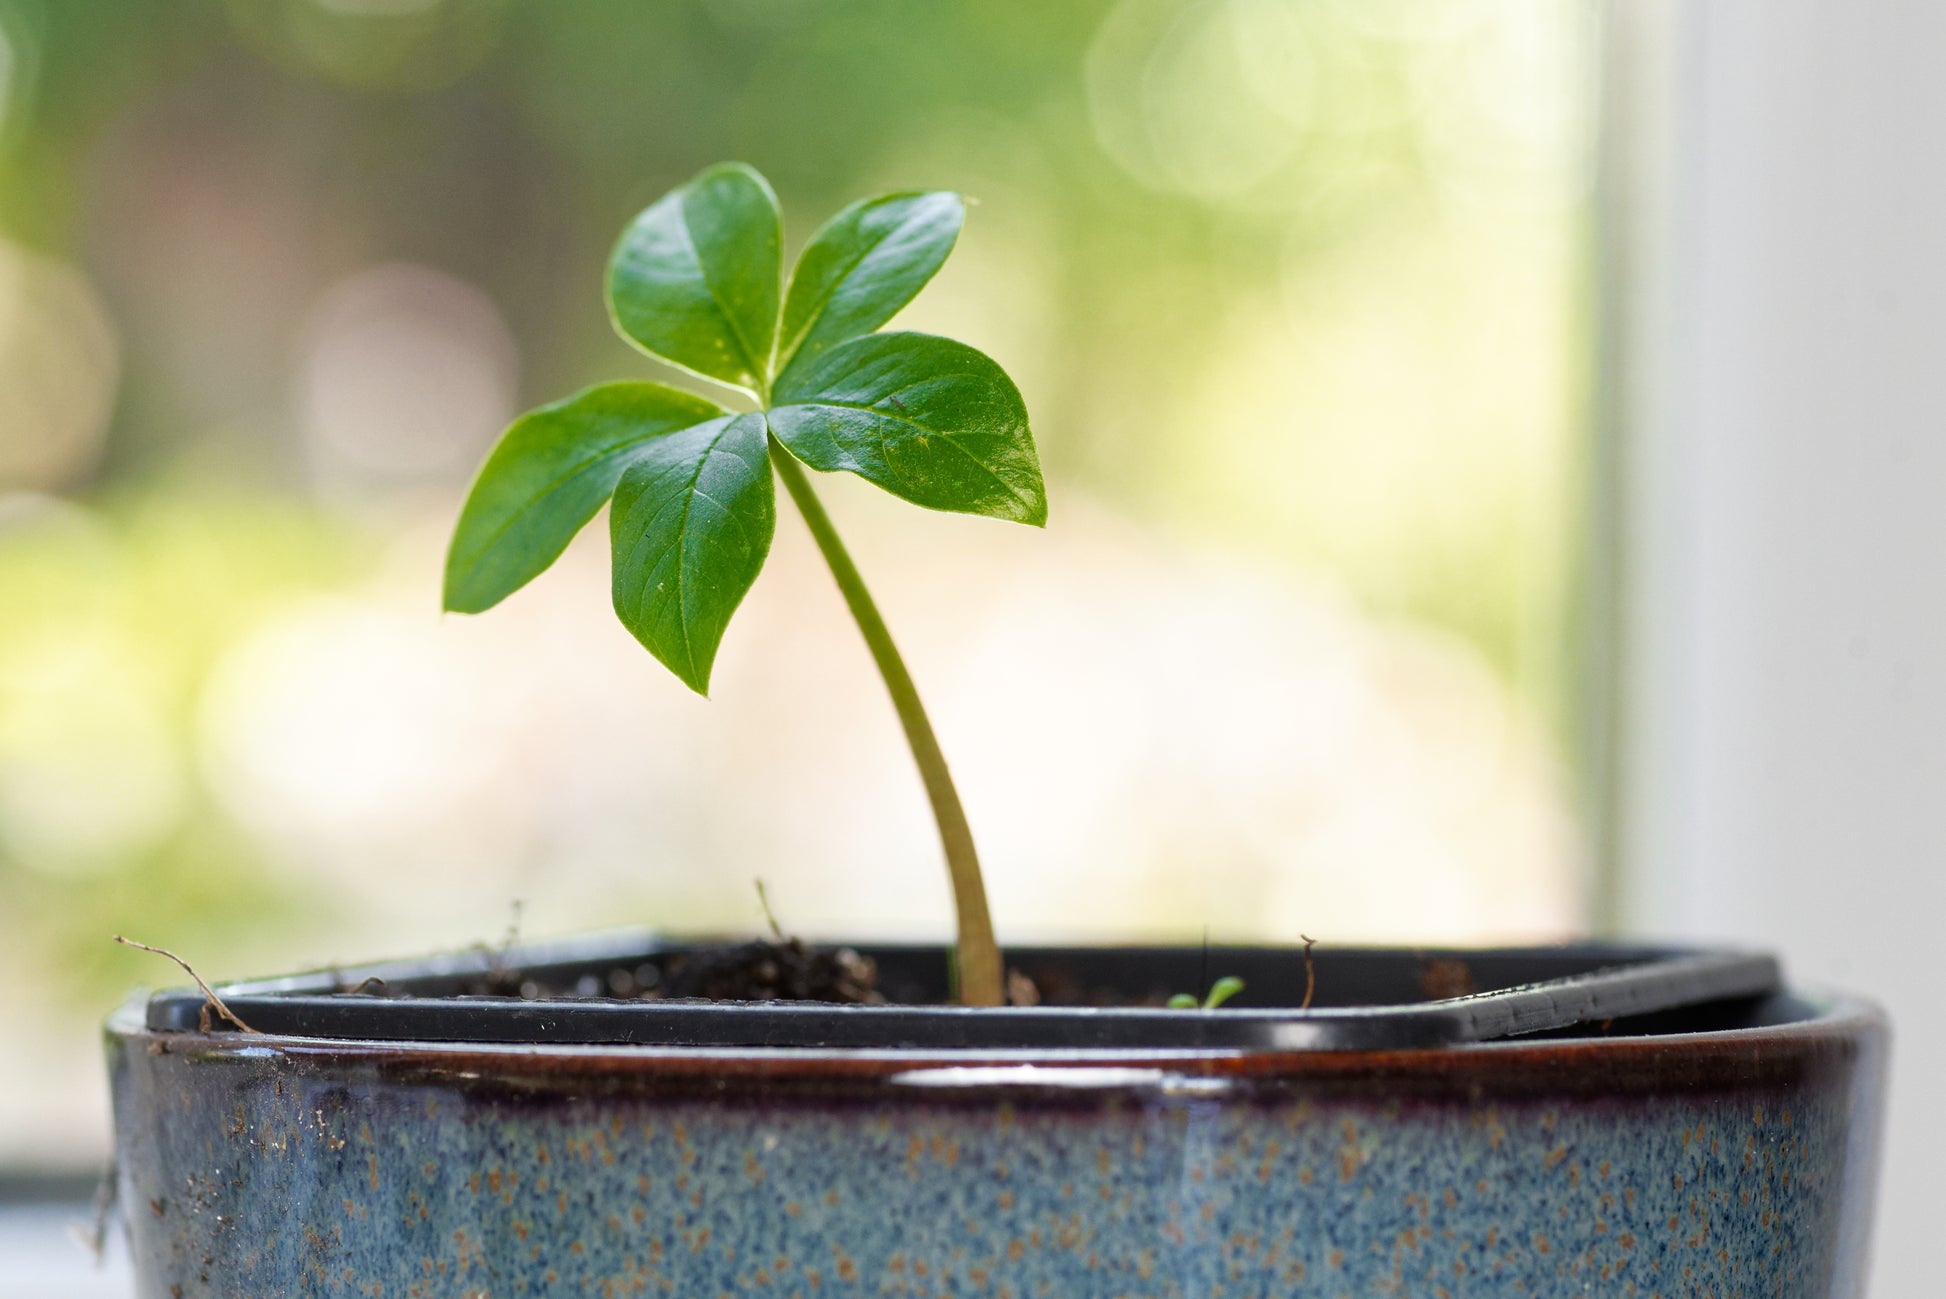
(210, 1000)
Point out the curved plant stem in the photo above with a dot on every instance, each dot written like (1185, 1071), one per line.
(979, 955)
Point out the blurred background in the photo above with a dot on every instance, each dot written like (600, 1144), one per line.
(1296, 293)
(1436, 550)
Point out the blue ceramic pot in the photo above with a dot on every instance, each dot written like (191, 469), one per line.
(1731, 1162)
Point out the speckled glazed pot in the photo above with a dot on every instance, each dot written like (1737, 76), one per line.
(1723, 1163)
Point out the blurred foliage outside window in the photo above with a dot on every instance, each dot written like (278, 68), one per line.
(1295, 290)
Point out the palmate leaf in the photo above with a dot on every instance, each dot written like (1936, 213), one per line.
(928, 419)
(697, 281)
(546, 478)
(690, 528)
(862, 266)
(696, 278)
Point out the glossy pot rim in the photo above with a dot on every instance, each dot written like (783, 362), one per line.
(1810, 1033)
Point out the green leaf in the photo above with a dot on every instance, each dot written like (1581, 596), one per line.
(1222, 990)
(551, 471)
(866, 263)
(691, 525)
(928, 419)
(696, 278)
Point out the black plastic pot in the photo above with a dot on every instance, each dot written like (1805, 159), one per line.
(1593, 1120)
(1359, 998)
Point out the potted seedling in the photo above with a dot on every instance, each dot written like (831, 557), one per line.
(645, 1114)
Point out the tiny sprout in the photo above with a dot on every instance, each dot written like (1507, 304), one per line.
(1221, 991)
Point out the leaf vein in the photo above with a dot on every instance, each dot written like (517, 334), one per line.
(823, 301)
(715, 300)
(950, 438)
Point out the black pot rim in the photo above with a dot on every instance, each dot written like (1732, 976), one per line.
(1626, 990)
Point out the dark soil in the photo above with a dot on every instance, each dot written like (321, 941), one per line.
(1442, 979)
(774, 971)
(1053, 985)
(784, 970)
(789, 969)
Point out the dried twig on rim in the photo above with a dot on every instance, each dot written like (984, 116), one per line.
(1310, 972)
(763, 900)
(210, 1000)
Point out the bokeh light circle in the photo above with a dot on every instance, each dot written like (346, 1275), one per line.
(1205, 99)
(59, 363)
(405, 373)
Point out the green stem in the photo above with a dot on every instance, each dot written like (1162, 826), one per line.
(979, 955)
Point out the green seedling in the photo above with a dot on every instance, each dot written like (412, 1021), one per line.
(697, 280)
(1219, 992)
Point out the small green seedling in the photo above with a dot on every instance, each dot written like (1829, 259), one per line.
(1219, 992)
(697, 280)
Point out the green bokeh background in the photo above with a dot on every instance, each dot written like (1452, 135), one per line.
(1301, 281)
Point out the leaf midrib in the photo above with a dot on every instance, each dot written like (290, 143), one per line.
(685, 499)
(948, 437)
(823, 301)
(752, 367)
(539, 498)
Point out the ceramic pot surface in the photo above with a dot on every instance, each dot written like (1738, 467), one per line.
(1734, 1162)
